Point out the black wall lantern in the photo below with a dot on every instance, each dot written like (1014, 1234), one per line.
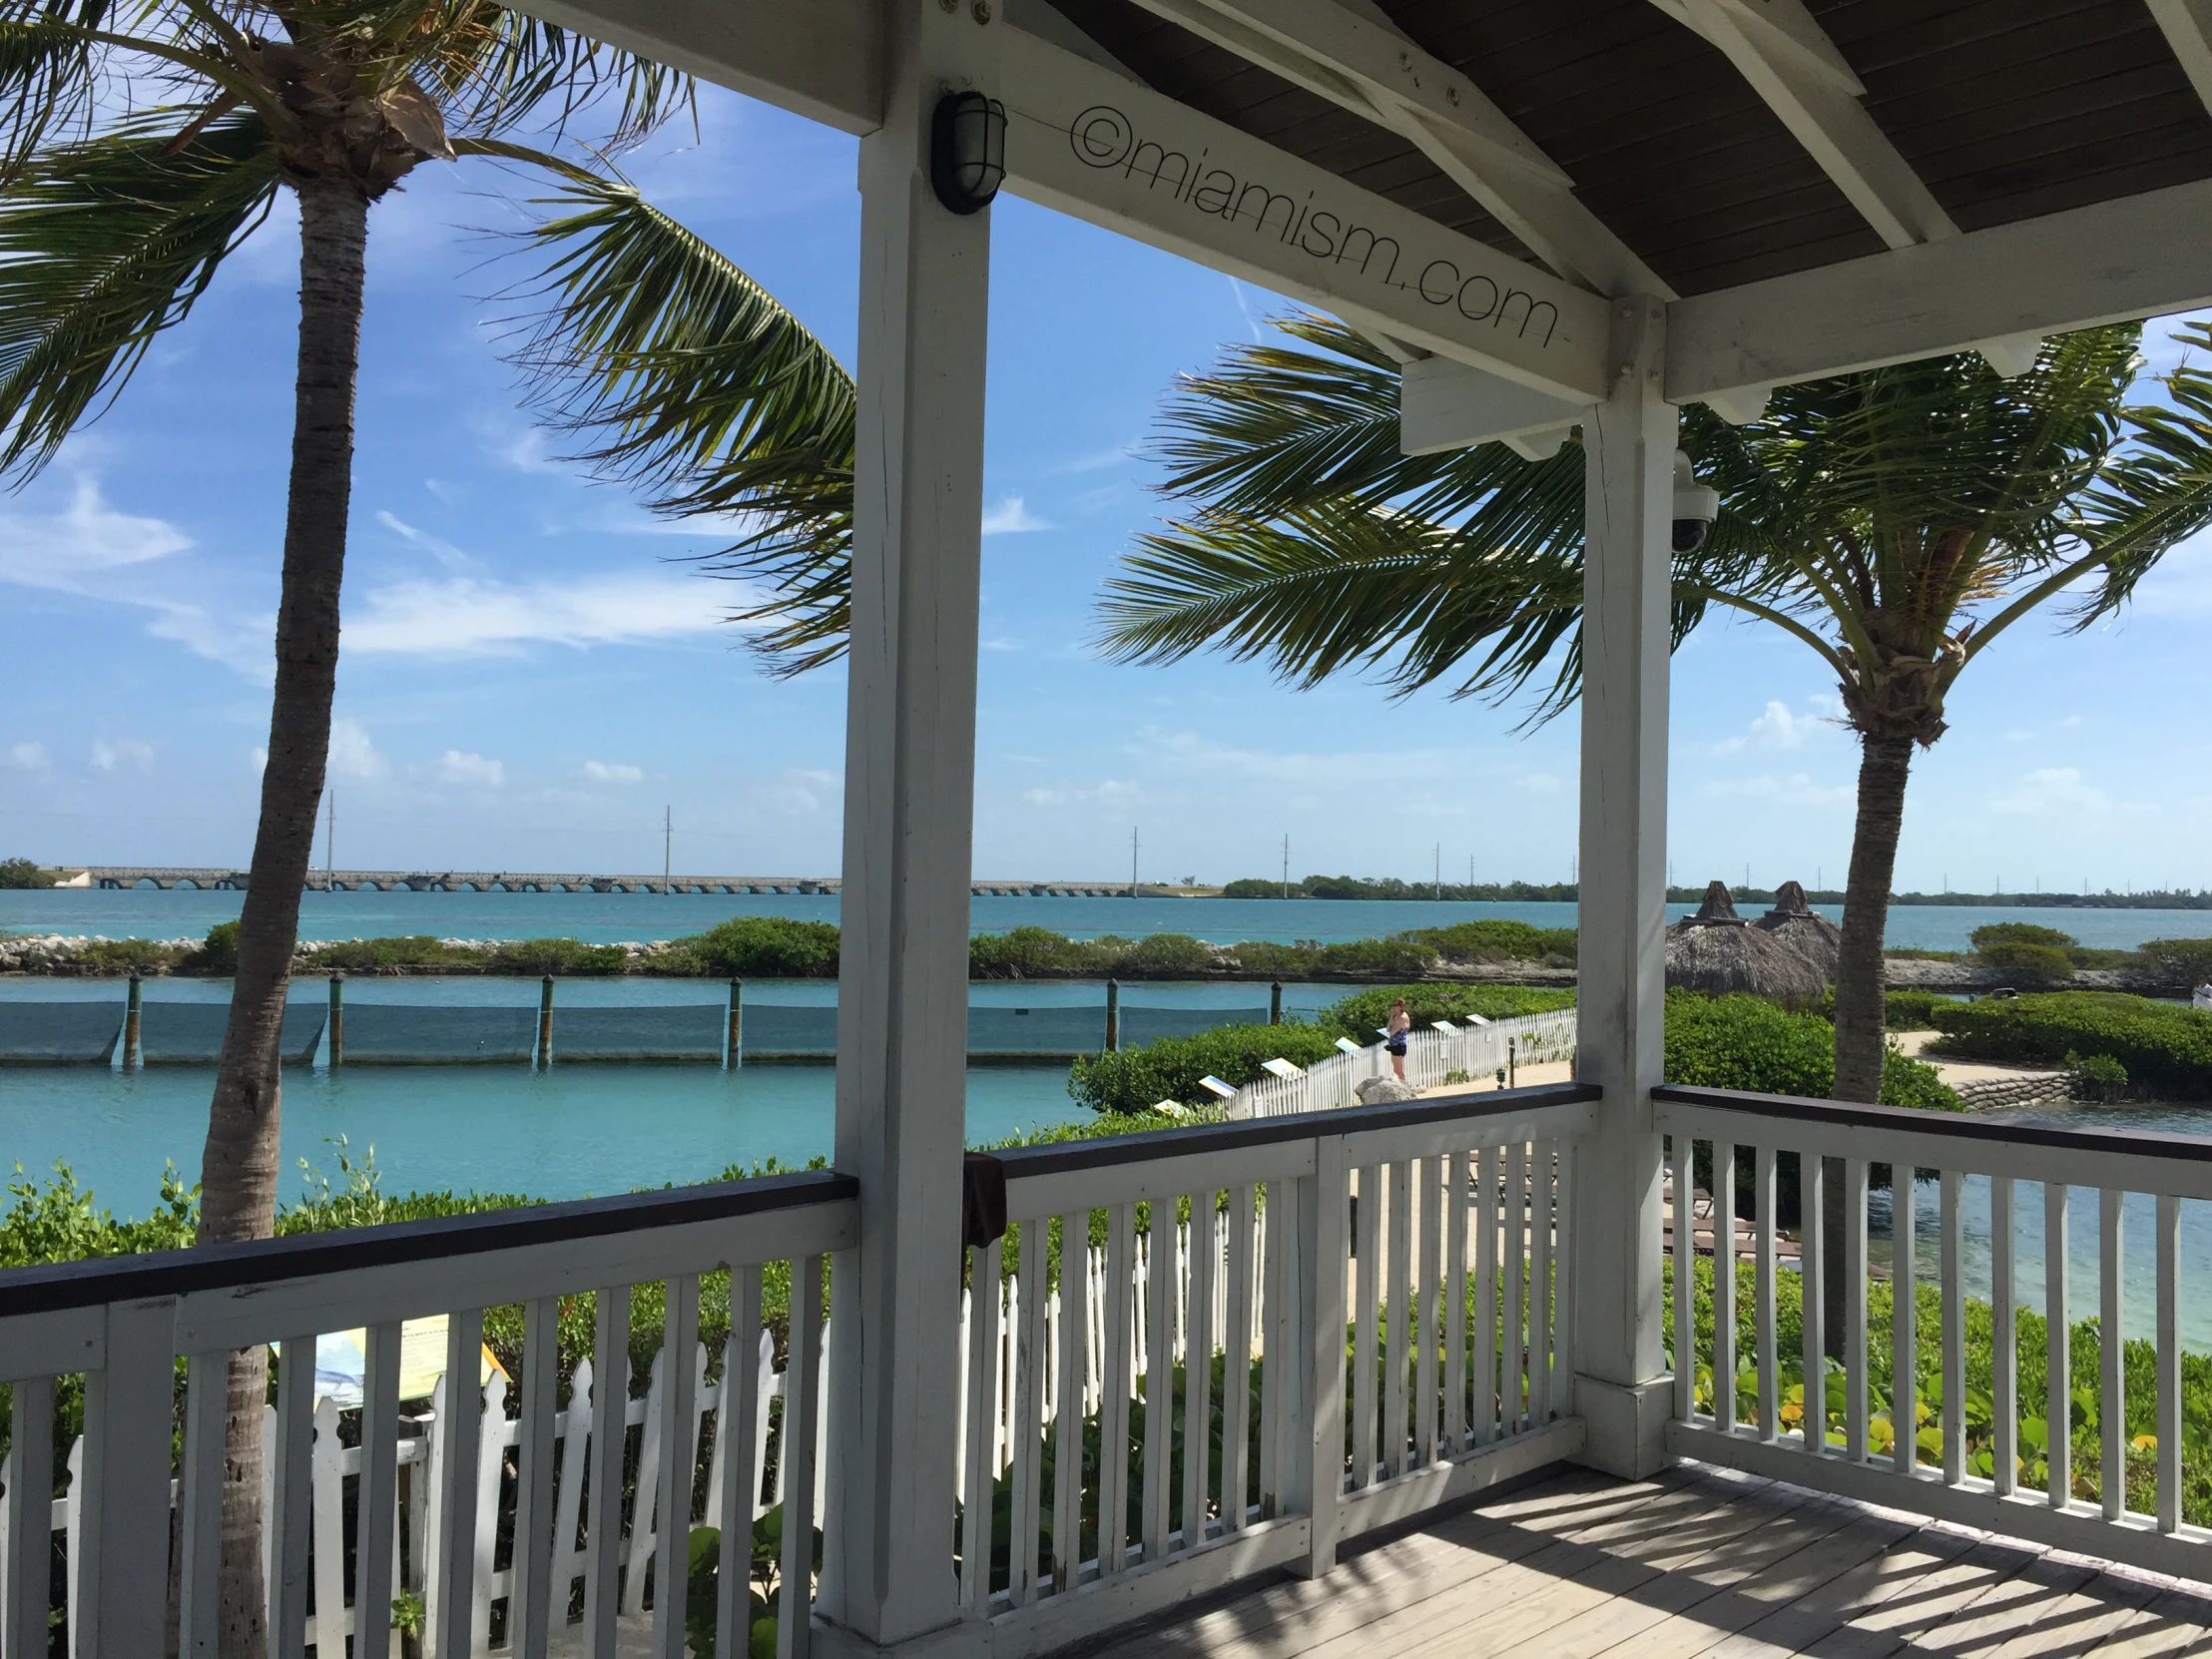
(968, 151)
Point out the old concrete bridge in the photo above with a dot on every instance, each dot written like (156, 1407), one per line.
(485, 880)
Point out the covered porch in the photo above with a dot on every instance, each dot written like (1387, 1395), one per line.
(1021, 1406)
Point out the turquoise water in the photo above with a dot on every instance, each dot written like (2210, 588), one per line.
(607, 917)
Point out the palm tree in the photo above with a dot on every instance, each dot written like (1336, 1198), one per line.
(1895, 521)
(138, 146)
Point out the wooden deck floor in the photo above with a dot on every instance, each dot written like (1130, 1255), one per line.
(1695, 1562)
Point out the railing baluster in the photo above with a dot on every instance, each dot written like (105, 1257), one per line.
(527, 1632)
(1067, 1454)
(1685, 1279)
(1113, 1416)
(679, 1460)
(1724, 1284)
(1905, 1389)
(1236, 1384)
(610, 1399)
(200, 1506)
(1812, 1287)
(983, 1396)
(1197, 1371)
(2005, 1401)
(456, 1497)
(328, 1489)
(645, 1486)
(376, 1573)
(1366, 1371)
(1488, 1405)
(1027, 1472)
(1854, 1309)
(1425, 1312)
(1278, 1243)
(2111, 1356)
(2059, 1380)
(1159, 1380)
(1540, 1223)
(30, 1498)
(1562, 1277)
(741, 1478)
(1514, 1290)
(1455, 1190)
(1400, 1297)
(1762, 1196)
(2170, 1364)
(1955, 1330)
(801, 1426)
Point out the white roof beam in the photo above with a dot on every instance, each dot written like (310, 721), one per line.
(2112, 261)
(2187, 26)
(1357, 60)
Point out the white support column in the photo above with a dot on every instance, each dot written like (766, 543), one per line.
(1620, 1389)
(909, 807)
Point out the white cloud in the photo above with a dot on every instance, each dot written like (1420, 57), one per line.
(353, 754)
(603, 772)
(436, 546)
(135, 753)
(257, 757)
(1013, 517)
(1777, 728)
(1541, 783)
(1000, 644)
(797, 791)
(1797, 789)
(473, 771)
(465, 617)
(31, 757)
(63, 550)
(2062, 791)
(1110, 791)
(1098, 460)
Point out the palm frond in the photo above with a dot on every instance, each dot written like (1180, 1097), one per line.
(498, 69)
(105, 244)
(49, 71)
(689, 382)
(2160, 490)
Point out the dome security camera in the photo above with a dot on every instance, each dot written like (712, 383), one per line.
(1696, 505)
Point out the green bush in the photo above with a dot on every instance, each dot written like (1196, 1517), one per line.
(2188, 962)
(1025, 953)
(1498, 941)
(1132, 1080)
(1999, 933)
(1747, 1042)
(22, 872)
(2165, 1048)
(2028, 964)
(131, 957)
(1361, 1014)
(1166, 957)
(766, 948)
(219, 952)
(555, 956)
(2096, 1076)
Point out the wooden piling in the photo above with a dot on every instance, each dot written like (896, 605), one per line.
(131, 1059)
(734, 1056)
(1275, 1003)
(338, 1019)
(545, 1023)
(1113, 1015)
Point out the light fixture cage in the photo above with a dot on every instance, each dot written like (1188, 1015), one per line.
(968, 151)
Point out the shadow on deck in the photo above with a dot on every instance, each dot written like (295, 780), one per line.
(1697, 1561)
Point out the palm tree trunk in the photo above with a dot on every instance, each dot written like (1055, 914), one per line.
(238, 1171)
(1861, 987)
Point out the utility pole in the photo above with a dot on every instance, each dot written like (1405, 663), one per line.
(331, 848)
(1286, 864)
(1439, 876)
(668, 844)
(1132, 860)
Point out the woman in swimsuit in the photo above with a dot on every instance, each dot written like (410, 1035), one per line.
(1394, 1036)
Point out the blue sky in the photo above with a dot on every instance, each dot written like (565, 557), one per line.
(530, 673)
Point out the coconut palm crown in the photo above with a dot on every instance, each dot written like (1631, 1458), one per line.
(1895, 521)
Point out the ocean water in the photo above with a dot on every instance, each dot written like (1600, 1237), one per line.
(146, 913)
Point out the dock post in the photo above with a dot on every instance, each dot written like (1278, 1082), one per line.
(131, 1027)
(545, 1023)
(1113, 1015)
(337, 1020)
(1275, 1004)
(734, 1056)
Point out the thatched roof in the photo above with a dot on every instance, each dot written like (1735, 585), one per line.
(1797, 924)
(1718, 951)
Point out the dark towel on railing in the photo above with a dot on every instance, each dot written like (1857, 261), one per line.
(982, 1200)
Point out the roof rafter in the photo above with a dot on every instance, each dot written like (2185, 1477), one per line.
(2187, 26)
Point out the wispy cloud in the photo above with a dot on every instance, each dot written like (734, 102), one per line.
(469, 617)
(604, 771)
(353, 754)
(1108, 791)
(2062, 792)
(1774, 728)
(436, 546)
(30, 756)
(1798, 788)
(115, 755)
(1098, 460)
(471, 770)
(1013, 517)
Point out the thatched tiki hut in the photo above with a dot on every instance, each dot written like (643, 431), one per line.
(1717, 951)
(1797, 924)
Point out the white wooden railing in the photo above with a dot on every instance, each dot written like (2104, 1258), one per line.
(1731, 1406)
(1430, 1235)
(122, 1324)
(1473, 1051)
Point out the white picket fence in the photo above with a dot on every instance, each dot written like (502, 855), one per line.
(421, 1454)
(1096, 1345)
(1477, 1049)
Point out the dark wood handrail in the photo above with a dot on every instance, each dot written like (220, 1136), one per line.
(1952, 1126)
